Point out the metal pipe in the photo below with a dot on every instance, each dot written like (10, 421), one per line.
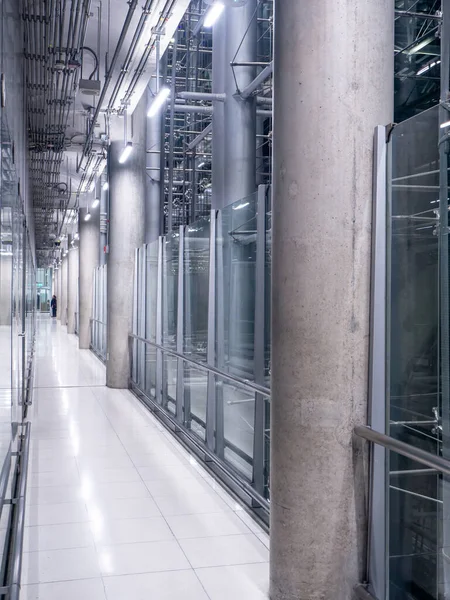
(419, 15)
(417, 454)
(196, 141)
(202, 96)
(131, 9)
(191, 108)
(259, 79)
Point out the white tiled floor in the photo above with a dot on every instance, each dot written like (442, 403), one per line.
(115, 507)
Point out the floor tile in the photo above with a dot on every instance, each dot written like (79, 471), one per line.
(206, 525)
(191, 504)
(111, 475)
(224, 550)
(53, 494)
(123, 508)
(173, 585)
(84, 589)
(126, 531)
(59, 565)
(166, 472)
(177, 486)
(54, 514)
(53, 479)
(57, 537)
(239, 582)
(152, 557)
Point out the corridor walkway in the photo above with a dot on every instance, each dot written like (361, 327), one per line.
(116, 508)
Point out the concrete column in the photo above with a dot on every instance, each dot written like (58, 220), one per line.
(153, 158)
(64, 288)
(239, 115)
(72, 285)
(127, 192)
(89, 257)
(330, 90)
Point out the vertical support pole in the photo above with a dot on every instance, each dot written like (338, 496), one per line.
(134, 359)
(159, 332)
(377, 553)
(171, 136)
(180, 328)
(142, 287)
(211, 349)
(444, 305)
(220, 335)
(259, 341)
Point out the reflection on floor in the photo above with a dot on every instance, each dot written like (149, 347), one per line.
(115, 507)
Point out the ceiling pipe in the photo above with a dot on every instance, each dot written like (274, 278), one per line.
(207, 97)
(123, 33)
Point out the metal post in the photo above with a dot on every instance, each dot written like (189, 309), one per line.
(377, 557)
(259, 341)
(444, 305)
(180, 328)
(211, 349)
(159, 333)
(171, 133)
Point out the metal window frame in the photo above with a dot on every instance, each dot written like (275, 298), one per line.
(377, 546)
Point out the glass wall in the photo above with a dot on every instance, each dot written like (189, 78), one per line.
(417, 395)
(99, 312)
(201, 338)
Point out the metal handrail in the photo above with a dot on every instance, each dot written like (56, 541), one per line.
(18, 517)
(243, 383)
(421, 456)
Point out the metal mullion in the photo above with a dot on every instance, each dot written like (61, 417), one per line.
(211, 348)
(377, 558)
(134, 371)
(259, 342)
(180, 329)
(142, 312)
(220, 335)
(159, 361)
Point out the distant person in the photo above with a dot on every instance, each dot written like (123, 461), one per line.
(53, 306)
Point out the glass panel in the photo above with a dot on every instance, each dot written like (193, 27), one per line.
(151, 313)
(238, 420)
(235, 287)
(416, 508)
(196, 289)
(195, 396)
(170, 319)
(415, 495)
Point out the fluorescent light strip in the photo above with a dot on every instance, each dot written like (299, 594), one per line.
(95, 203)
(445, 124)
(105, 186)
(126, 153)
(213, 14)
(158, 101)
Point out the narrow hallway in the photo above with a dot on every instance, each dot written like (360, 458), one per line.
(115, 506)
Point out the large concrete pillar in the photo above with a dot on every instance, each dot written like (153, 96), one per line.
(89, 256)
(333, 84)
(239, 114)
(64, 288)
(127, 191)
(153, 162)
(72, 285)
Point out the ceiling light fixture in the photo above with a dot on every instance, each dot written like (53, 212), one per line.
(105, 186)
(213, 14)
(95, 203)
(158, 101)
(126, 153)
(427, 67)
(445, 124)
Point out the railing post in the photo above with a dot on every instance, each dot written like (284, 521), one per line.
(211, 349)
